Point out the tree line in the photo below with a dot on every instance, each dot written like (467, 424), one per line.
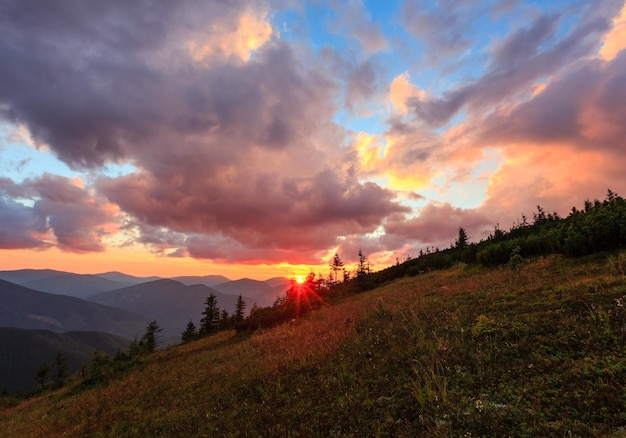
(214, 319)
(598, 226)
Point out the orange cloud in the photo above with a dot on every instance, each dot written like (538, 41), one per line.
(401, 89)
(615, 40)
(596, 126)
(368, 150)
(252, 31)
(556, 177)
(539, 88)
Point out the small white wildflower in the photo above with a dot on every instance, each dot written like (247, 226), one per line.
(479, 405)
(619, 302)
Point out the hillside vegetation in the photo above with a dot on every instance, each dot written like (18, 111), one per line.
(24, 351)
(536, 349)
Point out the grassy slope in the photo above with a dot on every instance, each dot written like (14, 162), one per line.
(539, 352)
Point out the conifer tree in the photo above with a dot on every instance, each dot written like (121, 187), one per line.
(149, 339)
(240, 309)
(190, 333)
(211, 316)
(135, 349)
(363, 267)
(62, 370)
(226, 321)
(42, 373)
(335, 267)
(462, 240)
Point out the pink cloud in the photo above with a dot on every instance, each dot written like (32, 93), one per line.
(77, 221)
(255, 210)
(438, 224)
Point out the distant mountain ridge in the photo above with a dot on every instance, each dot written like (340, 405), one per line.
(264, 293)
(207, 280)
(21, 307)
(171, 303)
(74, 285)
(42, 312)
(120, 277)
(84, 286)
(21, 276)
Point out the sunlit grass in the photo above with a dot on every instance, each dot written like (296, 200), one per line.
(534, 351)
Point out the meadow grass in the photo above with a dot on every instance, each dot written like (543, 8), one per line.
(532, 351)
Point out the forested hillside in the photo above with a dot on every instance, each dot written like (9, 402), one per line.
(598, 226)
(26, 352)
(533, 351)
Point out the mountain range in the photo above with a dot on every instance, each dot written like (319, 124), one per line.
(41, 307)
(46, 311)
(21, 307)
(171, 303)
(261, 293)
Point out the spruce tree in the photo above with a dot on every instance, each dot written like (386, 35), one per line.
(462, 241)
(240, 309)
(149, 339)
(211, 316)
(190, 333)
(41, 375)
(335, 267)
(363, 268)
(62, 369)
(226, 321)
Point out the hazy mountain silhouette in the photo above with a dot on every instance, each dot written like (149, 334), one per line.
(171, 303)
(281, 282)
(22, 276)
(75, 285)
(207, 280)
(262, 293)
(122, 278)
(21, 307)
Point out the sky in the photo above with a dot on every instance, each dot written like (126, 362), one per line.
(259, 138)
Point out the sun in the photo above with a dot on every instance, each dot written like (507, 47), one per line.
(299, 279)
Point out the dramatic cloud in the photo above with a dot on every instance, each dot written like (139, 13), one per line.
(230, 130)
(501, 94)
(19, 227)
(77, 221)
(615, 40)
(583, 108)
(525, 56)
(566, 142)
(262, 132)
(93, 80)
(438, 224)
(256, 210)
